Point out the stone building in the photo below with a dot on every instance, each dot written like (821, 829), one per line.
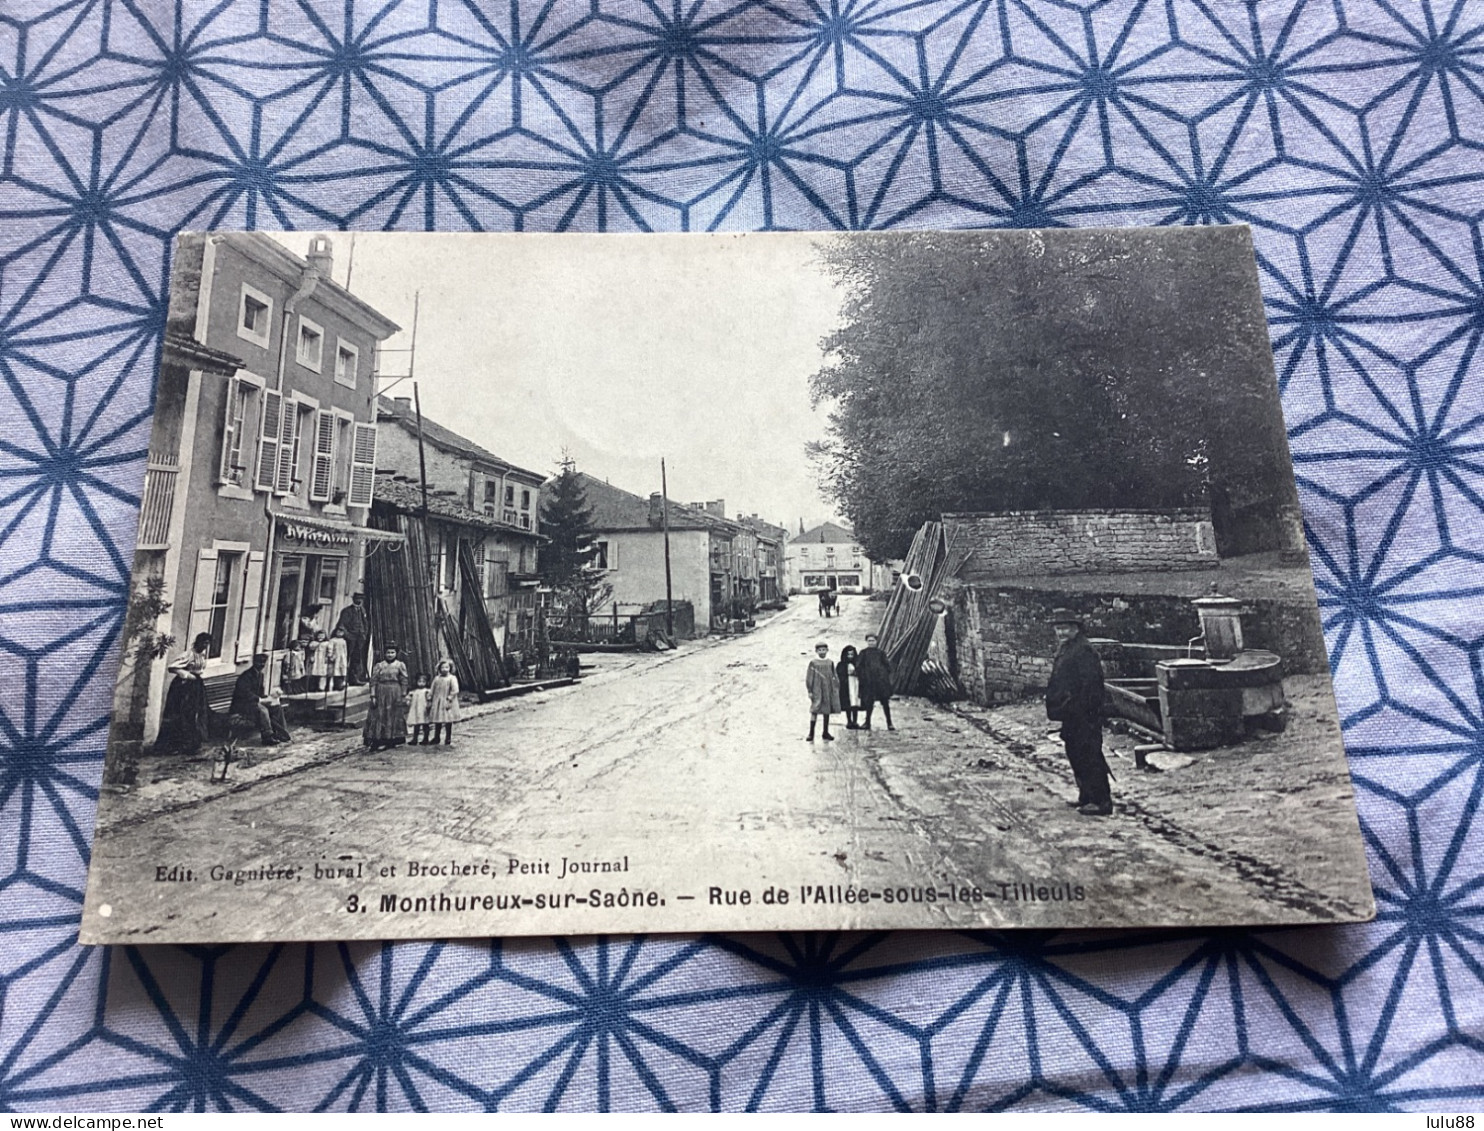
(484, 500)
(261, 463)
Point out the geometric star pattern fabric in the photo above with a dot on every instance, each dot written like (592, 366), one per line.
(1348, 133)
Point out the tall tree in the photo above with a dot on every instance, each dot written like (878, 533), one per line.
(1028, 370)
(567, 559)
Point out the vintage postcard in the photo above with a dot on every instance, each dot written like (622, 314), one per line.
(516, 584)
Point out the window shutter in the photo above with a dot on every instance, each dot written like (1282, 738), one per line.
(247, 623)
(229, 431)
(286, 449)
(205, 586)
(323, 474)
(268, 439)
(363, 465)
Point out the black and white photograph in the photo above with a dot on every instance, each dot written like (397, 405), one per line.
(493, 585)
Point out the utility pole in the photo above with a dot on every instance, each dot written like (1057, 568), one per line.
(665, 520)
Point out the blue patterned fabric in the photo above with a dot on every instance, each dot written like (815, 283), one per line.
(1348, 133)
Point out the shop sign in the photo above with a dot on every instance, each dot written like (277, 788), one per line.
(318, 537)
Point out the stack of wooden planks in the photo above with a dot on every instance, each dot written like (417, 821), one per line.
(400, 598)
(909, 622)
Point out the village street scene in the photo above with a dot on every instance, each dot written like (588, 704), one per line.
(374, 660)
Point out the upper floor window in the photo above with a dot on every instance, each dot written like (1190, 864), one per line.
(525, 500)
(254, 315)
(491, 491)
(311, 344)
(347, 361)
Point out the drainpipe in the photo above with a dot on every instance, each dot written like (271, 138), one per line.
(308, 280)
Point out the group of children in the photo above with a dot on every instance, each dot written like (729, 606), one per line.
(317, 663)
(433, 708)
(856, 684)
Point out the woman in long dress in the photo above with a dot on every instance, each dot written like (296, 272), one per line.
(185, 720)
(443, 703)
(386, 722)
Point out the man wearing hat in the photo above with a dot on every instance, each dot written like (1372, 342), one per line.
(357, 628)
(254, 705)
(1074, 698)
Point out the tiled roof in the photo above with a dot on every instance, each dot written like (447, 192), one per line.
(616, 509)
(447, 439)
(826, 532)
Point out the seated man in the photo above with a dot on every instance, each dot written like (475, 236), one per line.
(252, 705)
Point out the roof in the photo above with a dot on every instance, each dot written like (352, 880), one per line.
(446, 438)
(616, 509)
(276, 257)
(182, 349)
(408, 499)
(826, 532)
(763, 528)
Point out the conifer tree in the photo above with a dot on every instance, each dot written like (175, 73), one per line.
(567, 560)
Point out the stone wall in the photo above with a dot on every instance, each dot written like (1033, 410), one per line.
(1028, 543)
(1003, 643)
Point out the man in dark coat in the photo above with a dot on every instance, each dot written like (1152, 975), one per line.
(254, 706)
(1074, 698)
(357, 628)
(873, 682)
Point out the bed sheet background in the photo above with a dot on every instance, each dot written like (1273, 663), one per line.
(1349, 134)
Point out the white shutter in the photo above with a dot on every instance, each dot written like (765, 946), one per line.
(247, 623)
(286, 448)
(229, 431)
(363, 465)
(268, 439)
(322, 475)
(205, 586)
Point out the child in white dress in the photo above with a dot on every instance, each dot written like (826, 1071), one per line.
(417, 711)
(443, 703)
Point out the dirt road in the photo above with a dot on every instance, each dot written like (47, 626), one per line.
(678, 793)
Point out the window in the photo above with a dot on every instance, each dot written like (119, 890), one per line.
(311, 343)
(254, 316)
(605, 555)
(491, 490)
(301, 447)
(221, 601)
(347, 361)
(814, 581)
(509, 495)
(343, 425)
(525, 500)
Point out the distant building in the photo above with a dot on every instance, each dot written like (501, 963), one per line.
(261, 462)
(769, 543)
(828, 557)
(704, 566)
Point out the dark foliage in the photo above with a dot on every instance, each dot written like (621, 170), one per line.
(1027, 370)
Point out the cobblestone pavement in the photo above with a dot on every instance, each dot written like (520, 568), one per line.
(676, 792)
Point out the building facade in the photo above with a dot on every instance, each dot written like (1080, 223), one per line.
(497, 509)
(260, 473)
(769, 542)
(827, 556)
(630, 548)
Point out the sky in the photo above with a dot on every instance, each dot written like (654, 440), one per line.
(616, 349)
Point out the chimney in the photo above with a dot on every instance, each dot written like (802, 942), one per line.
(717, 507)
(321, 255)
(656, 509)
(404, 405)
